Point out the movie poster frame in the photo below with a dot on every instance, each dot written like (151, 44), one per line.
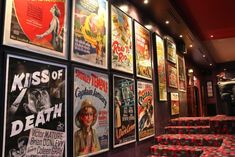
(72, 96)
(171, 55)
(184, 70)
(172, 101)
(33, 47)
(152, 135)
(158, 38)
(150, 50)
(132, 141)
(171, 84)
(78, 59)
(35, 60)
(209, 89)
(131, 38)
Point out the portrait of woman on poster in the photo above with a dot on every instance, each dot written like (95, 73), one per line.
(118, 105)
(85, 139)
(53, 29)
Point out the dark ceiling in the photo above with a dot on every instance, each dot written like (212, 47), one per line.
(213, 22)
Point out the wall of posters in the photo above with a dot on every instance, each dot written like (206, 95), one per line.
(91, 112)
(172, 76)
(122, 54)
(89, 34)
(175, 104)
(171, 51)
(143, 52)
(181, 73)
(124, 129)
(145, 105)
(35, 108)
(39, 26)
(161, 69)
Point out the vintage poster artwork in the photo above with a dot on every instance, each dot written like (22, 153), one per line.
(122, 51)
(175, 104)
(171, 51)
(181, 73)
(172, 76)
(145, 105)
(124, 128)
(91, 113)
(143, 52)
(89, 32)
(162, 89)
(37, 25)
(35, 108)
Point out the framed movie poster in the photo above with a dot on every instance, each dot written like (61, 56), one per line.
(172, 76)
(121, 38)
(181, 73)
(91, 113)
(162, 88)
(90, 32)
(38, 26)
(209, 87)
(175, 104)
(145, 108)
(35, 108)
(143, 52)
(124, 128)
(171, 51)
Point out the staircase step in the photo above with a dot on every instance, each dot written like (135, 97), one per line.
(187, 129)
(190, 140)
(189, 121)
(223, 125)
(175, 150)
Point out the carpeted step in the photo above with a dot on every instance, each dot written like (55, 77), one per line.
(175, 150)
(189, 140)
(187, 129)
(227, 148)
(189, 121)
(222, 125)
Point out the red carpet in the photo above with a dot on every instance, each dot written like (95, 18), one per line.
(197, 136)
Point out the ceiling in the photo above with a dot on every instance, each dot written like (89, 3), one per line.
(213, 23)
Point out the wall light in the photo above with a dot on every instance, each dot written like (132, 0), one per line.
(190, 71)
(124, 8)
(149, 27)
(146, 1)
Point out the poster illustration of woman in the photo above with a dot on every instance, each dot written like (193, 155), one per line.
(38, 26)
(89, 32)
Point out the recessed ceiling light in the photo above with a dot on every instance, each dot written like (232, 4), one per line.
(212, 36)
(124, 8)
(167, 22)
(146, 1)
(203, 55)
(181, 36)
(210, 64)
(190, 45)
(149, 27)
